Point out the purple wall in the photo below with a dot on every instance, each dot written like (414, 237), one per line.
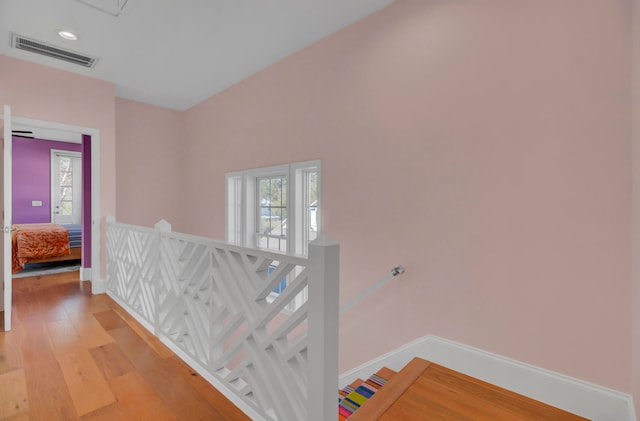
(32, 178)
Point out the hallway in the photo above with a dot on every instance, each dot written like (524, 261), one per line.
(73, 355)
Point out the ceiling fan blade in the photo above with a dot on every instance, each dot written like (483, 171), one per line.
(22, 131)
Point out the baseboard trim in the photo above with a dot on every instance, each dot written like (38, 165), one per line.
(98, 286)
(573, 395)
(85, 274)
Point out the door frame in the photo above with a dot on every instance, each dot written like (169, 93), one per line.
(98, 285)
(7, 259)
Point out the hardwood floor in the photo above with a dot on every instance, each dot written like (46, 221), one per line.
(426, 391)
(75, 356)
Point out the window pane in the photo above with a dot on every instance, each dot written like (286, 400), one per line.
(283, 191)
(274, 224)
(65, 163)
(66, 193)
(313, 185)
(312, 200)
(272, 213)
(66, 208)
(272, 243)
(66, 178)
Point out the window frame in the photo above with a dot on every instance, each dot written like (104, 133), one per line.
(241, 192)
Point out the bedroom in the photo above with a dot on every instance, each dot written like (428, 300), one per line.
(48, 201)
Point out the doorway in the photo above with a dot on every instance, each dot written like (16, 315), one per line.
(89, 136)
(90, 269)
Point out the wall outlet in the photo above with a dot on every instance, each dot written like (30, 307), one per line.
(36, 203)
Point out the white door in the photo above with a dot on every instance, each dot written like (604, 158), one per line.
(5, 186)
(66, 187)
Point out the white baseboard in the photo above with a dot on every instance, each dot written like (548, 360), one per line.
(85, 274)
(582, 398)
(98, 286)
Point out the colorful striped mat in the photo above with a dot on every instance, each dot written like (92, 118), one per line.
(357, 393)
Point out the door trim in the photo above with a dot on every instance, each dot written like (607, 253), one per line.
(7, 278)
(98, 285)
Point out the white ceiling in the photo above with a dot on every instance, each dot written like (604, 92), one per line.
(176, 53)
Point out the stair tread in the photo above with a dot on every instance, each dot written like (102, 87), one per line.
(394, 388)
(353, 396)
(386, 373)
(353, 384)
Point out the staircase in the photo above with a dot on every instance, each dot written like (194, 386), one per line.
(424, 390)
(352, 397)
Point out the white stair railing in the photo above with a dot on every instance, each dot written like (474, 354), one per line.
(398, 270)
(213, 304)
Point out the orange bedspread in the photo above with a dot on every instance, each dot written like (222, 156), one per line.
(37, 241)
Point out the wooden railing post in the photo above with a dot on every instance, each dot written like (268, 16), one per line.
(323, 329)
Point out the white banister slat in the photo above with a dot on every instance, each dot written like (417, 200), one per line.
(274, 279)
(292, 322)
(281, 302)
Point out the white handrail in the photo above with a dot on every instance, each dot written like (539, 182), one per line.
(398, 270)
(210, 302)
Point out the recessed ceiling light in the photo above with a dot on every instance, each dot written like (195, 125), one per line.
(68, 35)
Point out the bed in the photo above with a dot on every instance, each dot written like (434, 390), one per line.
(41, 243)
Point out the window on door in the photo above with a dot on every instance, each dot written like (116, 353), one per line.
(66, 187)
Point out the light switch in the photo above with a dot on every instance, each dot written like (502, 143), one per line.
(36, 203)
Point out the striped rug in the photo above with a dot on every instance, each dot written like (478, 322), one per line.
(356, 394)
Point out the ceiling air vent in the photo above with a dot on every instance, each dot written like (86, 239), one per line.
(38, 47)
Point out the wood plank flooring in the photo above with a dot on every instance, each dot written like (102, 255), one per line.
(75, 356)
(426, 391)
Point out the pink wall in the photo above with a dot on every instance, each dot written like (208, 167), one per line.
(484, 144)
(43, 93)
(149, 169)
(635, 304)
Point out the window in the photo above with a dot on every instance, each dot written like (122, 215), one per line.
(274, 208)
